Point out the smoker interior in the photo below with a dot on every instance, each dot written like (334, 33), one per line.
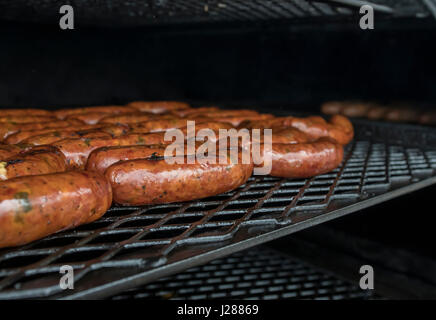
(282, 66)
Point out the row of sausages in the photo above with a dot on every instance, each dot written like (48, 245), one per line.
(60, 169)
(376, 111)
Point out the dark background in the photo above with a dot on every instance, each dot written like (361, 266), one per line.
(275, 64)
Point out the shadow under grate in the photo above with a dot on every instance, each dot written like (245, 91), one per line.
(255, 274)
(131, 246)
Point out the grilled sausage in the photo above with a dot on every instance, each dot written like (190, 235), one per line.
(402, 115)
(158, 125)
(62, 114)
(7, 129)
(356, 109)
(338, 128)
(302, 160)
(25, 112)
(377, 112)
(187, 112)
(288, 135)
(132, 118)
(92, 117)
(33, 207)
(235, 120)
(428, 118)
(223, 113)
(332, 107)
(102, 158)
(34, 161)
(140, 182)
(76, 151)
(25, 119)
(7, 151)
(158, 106)
(53, 137)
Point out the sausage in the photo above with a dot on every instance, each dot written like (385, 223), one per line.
(223, 113)
(338, 128)
(76, 151)
(288, 135)
(141, 182)
(7, 129)
(62, 114)
(302, 160)
(25, 112)
(49, 138)
(25, 119)
(33, 207)
(34, 161)
(134, 118)
(332, 107)
(356, 109)
(235, 120)
(187, 112)
(158, 125)
(21, 135)
(158, 106)
(91, 117)
(102, 158)
(377, 112)
(7, 151)
(402, 115)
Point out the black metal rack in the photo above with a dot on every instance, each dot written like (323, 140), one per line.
(161, 12)
(131, 246)
(253, 274)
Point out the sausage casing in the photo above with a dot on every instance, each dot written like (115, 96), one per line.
(34, 161)
(140, 182)
(33, 207)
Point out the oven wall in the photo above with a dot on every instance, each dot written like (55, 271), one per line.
(274, 64)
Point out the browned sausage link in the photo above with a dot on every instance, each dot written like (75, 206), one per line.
(100, 159)
(33, 207)
(7, 151)
(356, 109)
(302, 160)
(93, 117)
(76, 151)
(332, 107)
(235, 120)
(338, 128)
(37, 160)
(158, 106)
(62, 114)
(7, 129)
(187, 112)
(288, 135)
(25, 119)
(140, 182)
(377, 112)
(158, 125)
(21, 135)
(402, 115)
(223, 113)
(52, 137)
(25, 112)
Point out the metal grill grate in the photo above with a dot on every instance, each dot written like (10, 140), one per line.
(259, 273)
(152, 12)
(131, 246)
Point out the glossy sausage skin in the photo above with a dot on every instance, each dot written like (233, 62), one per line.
(77, 151)
(34, 161)
(25, 119)
(7, 129)
(187, 112)
(7, 151)
(338, 128)
(158, 125)
(332, 107)
(236, 120)
(302, 160)
(132, 118)
(25, 112)
(53, 137)
(62, 114)
(141, 182)
(33, 207)
(102, 158)
(158, 106)
(92, 117)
